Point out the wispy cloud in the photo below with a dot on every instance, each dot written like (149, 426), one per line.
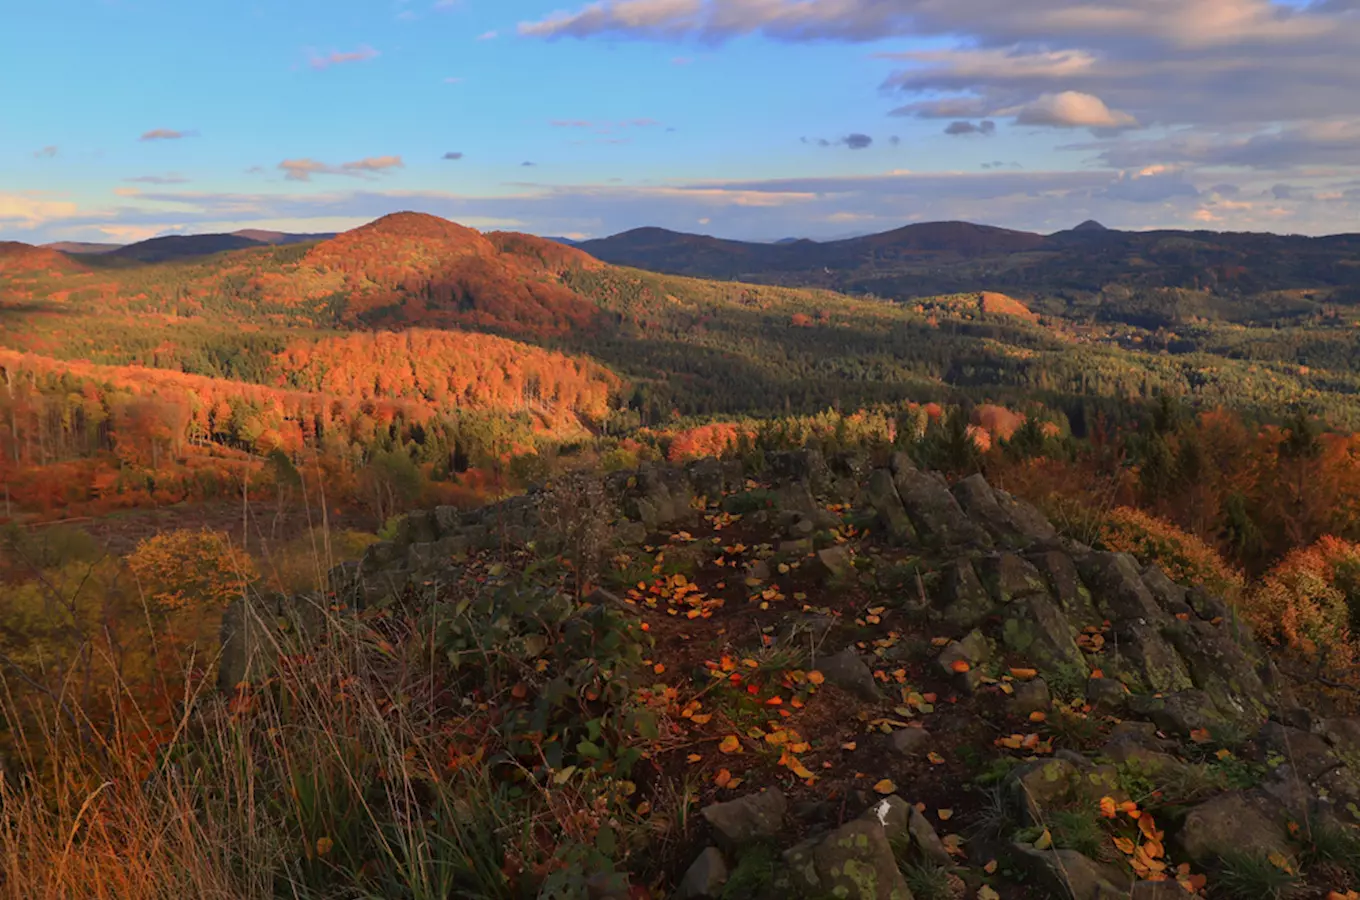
(453, 154)
(171, 178)
(167, 134)
(855, 141)
(488, 35)
(303, 169)
(985, 127)
(48, 152)
(338, 58)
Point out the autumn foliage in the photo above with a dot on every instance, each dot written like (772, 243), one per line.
(180, 569)
(1183, 556)
(1307, 603)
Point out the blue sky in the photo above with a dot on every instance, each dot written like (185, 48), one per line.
(758, 119)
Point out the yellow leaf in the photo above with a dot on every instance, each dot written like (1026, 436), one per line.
(886, 786)
(986, 892)
(701, 718)
(730, 744)
(1279, 861)
(1045, 840)
(944, 814)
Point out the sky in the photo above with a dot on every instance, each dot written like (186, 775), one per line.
(750, 119)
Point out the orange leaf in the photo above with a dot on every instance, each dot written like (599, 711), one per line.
(886, 787)
(722, 778)
(816, 677)
(960, 665)
(1038, 716)
(730, 744)
(1024, 674)
(935, 758)
(1107, 808)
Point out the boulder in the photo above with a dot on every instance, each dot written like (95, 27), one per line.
(1117, 586)
(1036, 629)
(963, 601)
(1066, 586)
(1106, 695)
(1069, 874)
(854, 862)
(848, 671)
(933, 510)
(974, 649)
(1180, 713)
(1031, 697)
(747, 819)
(1044, 785)
(1146, 659)
(1008, 577)
(882, 497)
(1239, 821)
(705, 877)
(926, 840)
(909, 741)
(1219, 666)
(834, 562)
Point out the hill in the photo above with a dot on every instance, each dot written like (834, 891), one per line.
(1144, 278)
(82, 247)
(708, 257)
(181, 246)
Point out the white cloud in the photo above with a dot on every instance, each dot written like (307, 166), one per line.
(1071, 109)
(29, 210)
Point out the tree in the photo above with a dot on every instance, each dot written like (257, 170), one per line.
(184, 568)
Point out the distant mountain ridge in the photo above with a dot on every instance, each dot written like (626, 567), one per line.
(182, 246)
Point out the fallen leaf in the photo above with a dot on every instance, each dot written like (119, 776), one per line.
(1038, 716)
(730, 744)
(960, 665)
(935, 758)
(886, 786)
(944, 814)
(723, 778)
(1045, 840)
(986, 892)
(1024, 674)
(693, 757)
(815, 677)
(990, 868)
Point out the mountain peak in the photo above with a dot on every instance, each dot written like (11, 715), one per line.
(1090, 225)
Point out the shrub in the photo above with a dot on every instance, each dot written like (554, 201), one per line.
(1184, 557)
(1308, 603)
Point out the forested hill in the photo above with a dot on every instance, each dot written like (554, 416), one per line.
(1149, 278)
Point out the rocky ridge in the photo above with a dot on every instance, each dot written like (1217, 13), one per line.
(1023, 619)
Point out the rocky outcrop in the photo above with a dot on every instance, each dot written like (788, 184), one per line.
(994, 589)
